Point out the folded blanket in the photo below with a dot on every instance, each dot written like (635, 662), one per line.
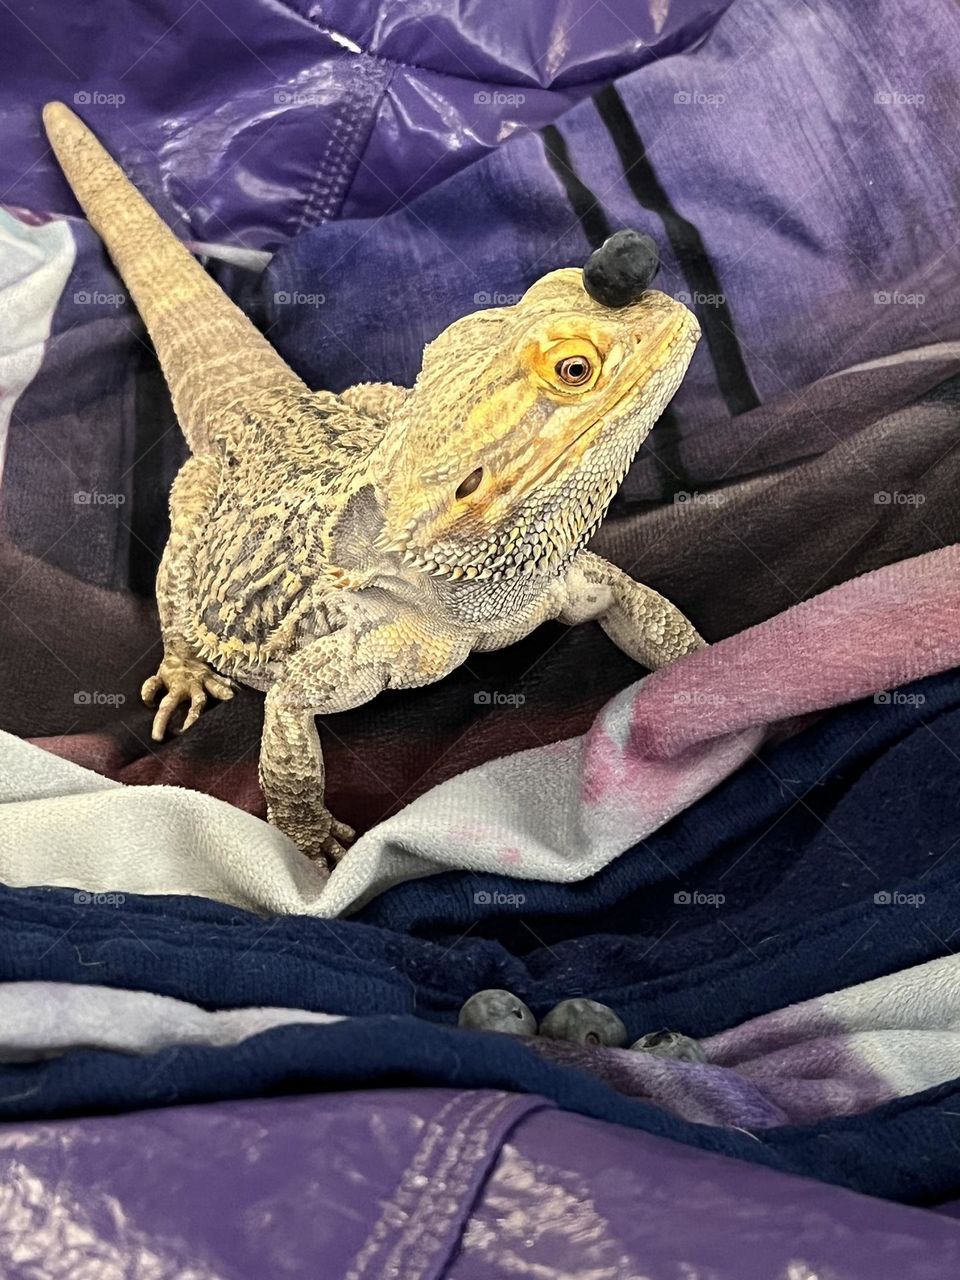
(897, 1151)
(35, 262)
(824, 863)
(552, 813)
(840, 1054)
(763, 894)
(563, 812)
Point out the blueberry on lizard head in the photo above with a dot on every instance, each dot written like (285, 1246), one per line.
(503, 458)
(622, 269)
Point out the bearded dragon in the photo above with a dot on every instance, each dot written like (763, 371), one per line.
(326, 547)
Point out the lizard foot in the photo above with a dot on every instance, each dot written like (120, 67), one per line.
(185, 680)
(330, 848)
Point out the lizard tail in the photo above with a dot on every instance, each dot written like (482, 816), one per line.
(218, 366)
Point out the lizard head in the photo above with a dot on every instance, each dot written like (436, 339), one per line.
(522, 424)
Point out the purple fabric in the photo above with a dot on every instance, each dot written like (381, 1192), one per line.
(807, 240)
(425, 1184)
(248, 122)
(844, 1053)
(255, 123)
(586, 1198)
(700, 1092)
(300, 1187)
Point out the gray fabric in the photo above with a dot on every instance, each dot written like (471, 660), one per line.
(45, 1019)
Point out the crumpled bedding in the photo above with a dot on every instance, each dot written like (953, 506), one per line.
(840, 1054)
(813, 443)
(890, 1151)
(556, 813)
(825, 863)
(46, 1019)
(843, 1053)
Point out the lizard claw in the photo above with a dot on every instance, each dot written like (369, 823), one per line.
(332, 848)
(185, 680)
(312, 827)
(329, 849)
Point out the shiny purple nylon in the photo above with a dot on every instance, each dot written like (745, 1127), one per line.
(248, 123)
(423, 1184)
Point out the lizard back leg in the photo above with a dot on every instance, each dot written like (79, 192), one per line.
(183, 676)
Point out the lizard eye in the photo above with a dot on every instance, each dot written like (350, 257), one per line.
(574, 371)
(564, 366)
(471, 484)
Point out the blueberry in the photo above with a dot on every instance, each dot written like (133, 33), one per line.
(583, 1021)
(622, 268)
(670, 1044)
(495, 1010)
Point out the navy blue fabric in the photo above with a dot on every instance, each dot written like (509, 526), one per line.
(799, 843)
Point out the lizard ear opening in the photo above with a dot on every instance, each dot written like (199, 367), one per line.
(471, 484)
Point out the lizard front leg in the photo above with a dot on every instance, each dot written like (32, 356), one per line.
(637, 619)
(182, 674)
(335, 673)
(292, 778)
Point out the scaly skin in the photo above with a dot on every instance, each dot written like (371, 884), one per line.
(324, 548)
